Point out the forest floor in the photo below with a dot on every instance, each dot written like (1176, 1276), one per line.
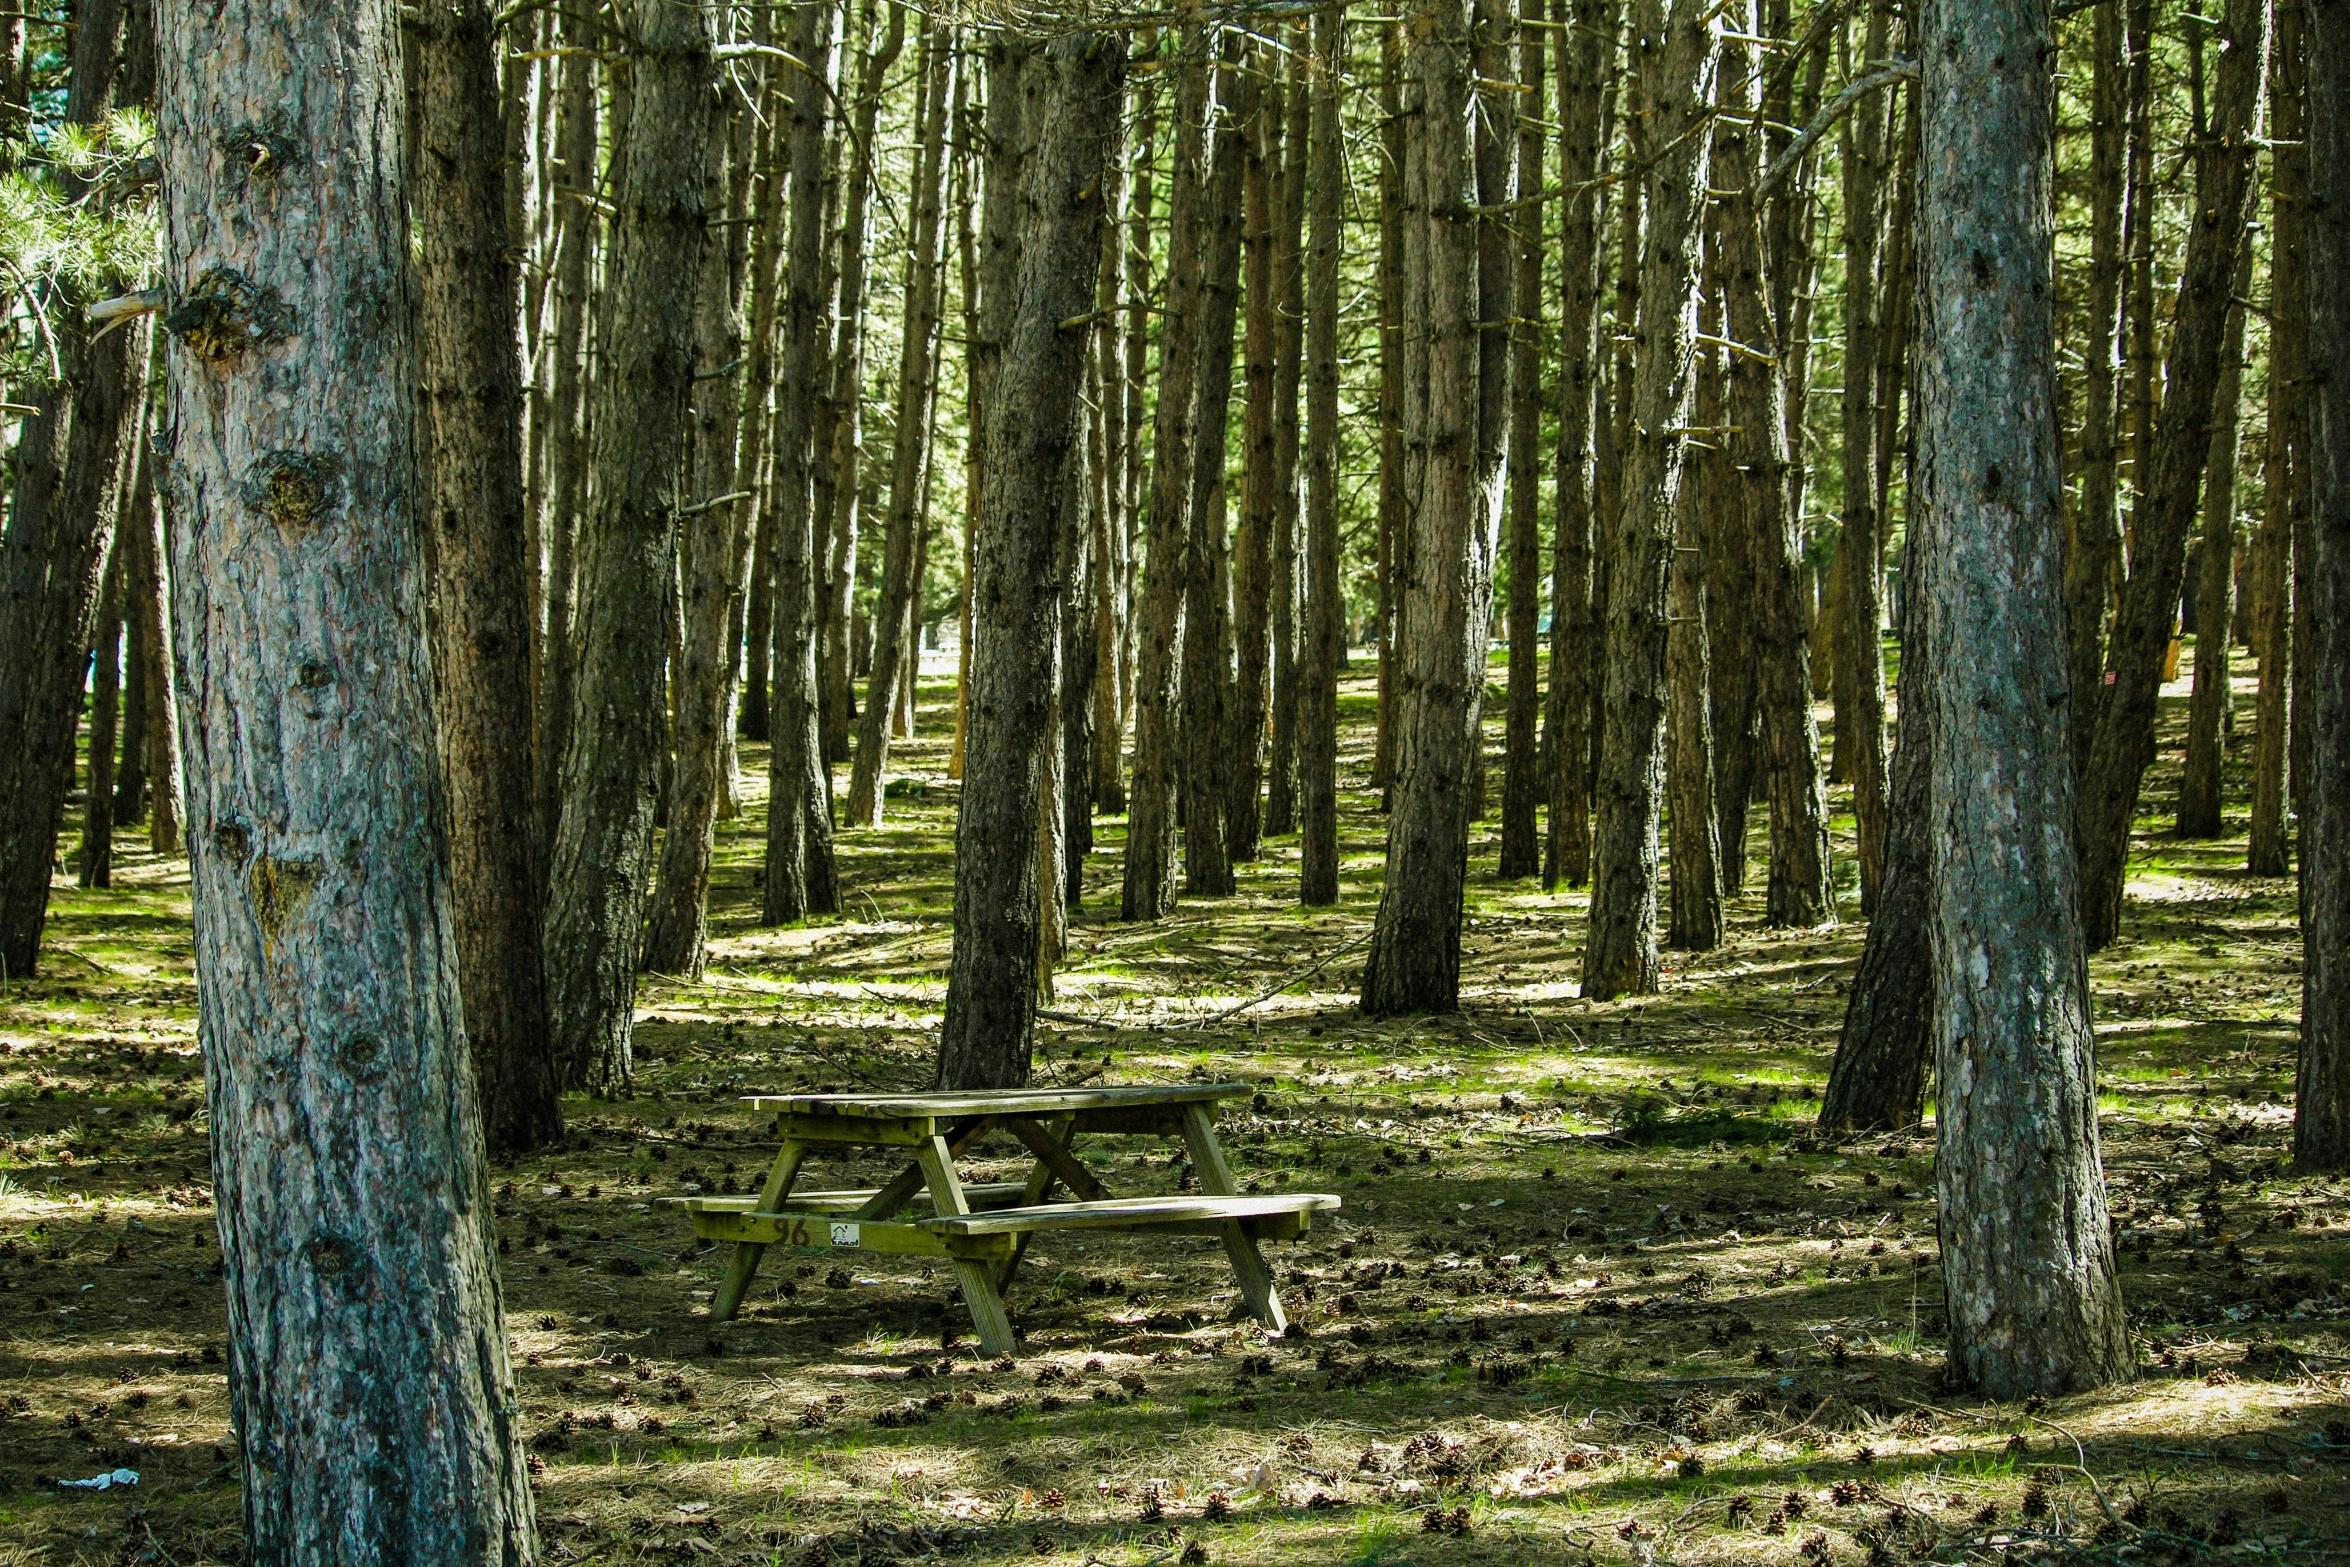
(1598, 1291)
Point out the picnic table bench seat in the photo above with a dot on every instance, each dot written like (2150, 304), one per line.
(1123, 1212)
(985, 1194)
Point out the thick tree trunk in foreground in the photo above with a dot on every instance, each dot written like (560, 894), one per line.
(2027, 1258)
(1521, 786)
(1149, 888)
(638, 429)
(2210, 714)
(60, 528)
(1878, 1081)
(1034, 423)
(801, 879)
(1673, 81)
(1585, 58)
(1460, 276)
(1321, 634)
(469, 457)
(2321, 1097)
(368, 1369)
(2123, 746)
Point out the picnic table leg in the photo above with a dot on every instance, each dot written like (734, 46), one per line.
(1040, 1181)
(976, 1277)
(1215, 1178)
(745, 1261)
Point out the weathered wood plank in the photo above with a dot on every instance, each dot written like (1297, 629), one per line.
(821, 1231)
(1053, 1156)
(1016, 1101)
(1248, 1264)
(1130, 1213)
(992, 1194)
(745, 1261)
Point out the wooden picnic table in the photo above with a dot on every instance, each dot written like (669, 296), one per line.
(982, 1230)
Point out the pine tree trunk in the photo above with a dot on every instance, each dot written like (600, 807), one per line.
(1693, 847)
(1585, 61)
(1252, 554)
(67, 481)
(567, 437)
(1103, 778)
(2286, 463)
(2093, 547)
(1460, 273)
(1521, 853)
(1395, 456)
(801, 879)
(1673, 78)
(130, 774)
(637, 427)
(150, 600)
(2321, 1090)
(768, 220)
(1081, 620)
(2027, 1256)
(839, 530)
(1035, 420)
(1798, 892)
(1207, 668)
(1878, 1080)
(709, 581)
(469, 459)
(2123, 745)
(368, 1374)
(1148, 892)
(2211, 712)
(1860, 715)
(1139, 293)
(96, 859)
(1289, 283)
(909, 461)
(1321, 639)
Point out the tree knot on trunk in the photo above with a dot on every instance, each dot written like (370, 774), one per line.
(224, 312)
(295, 490)
(281, 890)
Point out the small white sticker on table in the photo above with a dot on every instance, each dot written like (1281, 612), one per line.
(844, 1235)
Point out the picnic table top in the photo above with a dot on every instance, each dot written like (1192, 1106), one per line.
(1000, 1101)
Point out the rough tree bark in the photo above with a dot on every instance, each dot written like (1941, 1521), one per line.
(1321, 636)
(2027, 1255)
(469, 461)
(909, 459)
(2209, 713)
(709, 586)
(1207, 679)
(1521, 853)
(1798, 892)
(1693, 845)
(150, 602)
(637, 428)
(1860, 668)
(2321, 1089)
(68, 465)
(1673, 84)
(368, 1371)
(1034, 425)
(801, 879)
(2286, 460)
(2093, 547)
(1585, 58)
(1460, 271)
(1148, 891)
(2123, 745)
(567, 437)
(1252, 554)
(95, 861)
(1289, 340)
(1878, 1079)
